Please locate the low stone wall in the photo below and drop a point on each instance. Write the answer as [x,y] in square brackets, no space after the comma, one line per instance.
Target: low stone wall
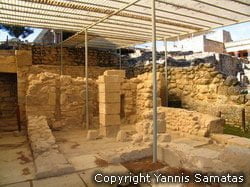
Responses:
[61,99]
[191,122]
[180,120]
[47,158]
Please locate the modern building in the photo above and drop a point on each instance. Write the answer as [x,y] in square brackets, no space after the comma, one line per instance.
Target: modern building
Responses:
[211,42]
[239,48]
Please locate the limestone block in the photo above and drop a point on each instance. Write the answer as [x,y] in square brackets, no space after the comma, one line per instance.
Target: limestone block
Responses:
[109,79]
[161,126]
[107,88]
[109,108]
[120,73]
[109,131]
[109,119]
[23,57]
[113,97]
[92,134]
[52,99]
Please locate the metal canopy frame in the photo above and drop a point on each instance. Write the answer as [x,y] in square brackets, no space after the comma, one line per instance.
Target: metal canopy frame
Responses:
[115,24]
[124,18]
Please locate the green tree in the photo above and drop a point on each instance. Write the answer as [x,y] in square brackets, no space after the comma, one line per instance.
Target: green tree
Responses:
[17,31]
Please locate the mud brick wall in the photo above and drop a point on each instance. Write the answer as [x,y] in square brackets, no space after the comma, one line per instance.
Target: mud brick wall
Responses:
[8,101]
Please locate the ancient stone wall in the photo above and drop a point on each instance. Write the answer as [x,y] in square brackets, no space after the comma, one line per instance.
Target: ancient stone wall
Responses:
[204,89]
[138,96]
[7,61]
[51,55]
[199,88]
[73,71]
[226,64]
[61,99]
[8,101]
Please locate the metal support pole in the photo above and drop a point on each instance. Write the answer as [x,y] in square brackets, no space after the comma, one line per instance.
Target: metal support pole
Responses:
[166,72]
[120,58]
[86,77]
[61,55]
[154,84]
[243,119]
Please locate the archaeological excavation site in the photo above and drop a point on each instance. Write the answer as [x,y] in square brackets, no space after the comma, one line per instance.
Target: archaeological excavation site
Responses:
[124,93]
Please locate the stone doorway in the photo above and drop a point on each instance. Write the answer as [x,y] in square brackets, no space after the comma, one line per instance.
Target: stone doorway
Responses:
[8,101]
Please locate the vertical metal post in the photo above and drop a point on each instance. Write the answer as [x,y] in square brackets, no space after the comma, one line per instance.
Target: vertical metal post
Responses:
[166,72]
[61,55]
[86,77]
[154,83]
[243,119]
[120,58]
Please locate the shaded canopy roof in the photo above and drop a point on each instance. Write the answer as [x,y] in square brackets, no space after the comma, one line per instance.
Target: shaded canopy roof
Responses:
[123,23]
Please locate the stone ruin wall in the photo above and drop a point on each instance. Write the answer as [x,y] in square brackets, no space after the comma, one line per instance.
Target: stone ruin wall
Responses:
[199,88]
[204,89]
[25,65]
[61,99]
[51,55]
[226,64]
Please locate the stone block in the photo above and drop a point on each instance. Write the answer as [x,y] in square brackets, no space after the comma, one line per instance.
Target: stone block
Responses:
[109,108]
[113,97]
[109,79]
[92,134]
[23,57]
[161,126]
[109,131]
[109,119]
[107,88]
[121,73]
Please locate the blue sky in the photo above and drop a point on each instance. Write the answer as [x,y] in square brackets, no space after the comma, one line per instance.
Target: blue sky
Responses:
[238,32]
